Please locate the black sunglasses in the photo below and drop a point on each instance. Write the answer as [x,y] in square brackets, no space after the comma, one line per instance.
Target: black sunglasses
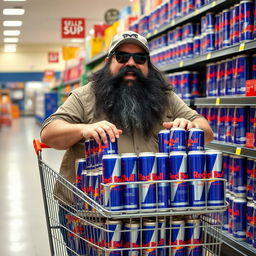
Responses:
[123,57]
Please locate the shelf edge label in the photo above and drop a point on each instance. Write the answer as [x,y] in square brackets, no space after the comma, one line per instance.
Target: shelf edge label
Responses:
[238,151]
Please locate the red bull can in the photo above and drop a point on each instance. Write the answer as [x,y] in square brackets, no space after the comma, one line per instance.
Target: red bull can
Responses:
[243,74]
[211,80]
[226,28]
[193,235]
[226,214]
[147,172]
[197,44]
[236,24]
[163,141]
[163,189]
[110,147]
[113,195]
[80,165]
[132,238]
[249,218]
[215,194]
[225,166]
[195,139]
[129,174]
[239,175]
[240,125]
[229,134]
[250,170]
[161,236]
[177,139]
[149,237]
[230,214]
[196,170]
[113,234]
[246,20]
[239,218]
[195,90]
[177,235]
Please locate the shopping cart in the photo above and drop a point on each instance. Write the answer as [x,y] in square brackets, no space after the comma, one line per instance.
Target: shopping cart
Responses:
[79,225]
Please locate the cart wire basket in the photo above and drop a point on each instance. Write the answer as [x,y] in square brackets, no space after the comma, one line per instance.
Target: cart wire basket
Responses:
[80,225]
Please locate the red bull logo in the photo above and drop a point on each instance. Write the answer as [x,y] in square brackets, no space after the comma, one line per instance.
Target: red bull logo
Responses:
[198,175]
[128,179]
[236,213]
[178,176]
[150,176]
[192,142]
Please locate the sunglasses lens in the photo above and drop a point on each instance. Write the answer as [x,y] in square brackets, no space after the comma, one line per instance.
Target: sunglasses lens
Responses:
[123,57]
[140,59]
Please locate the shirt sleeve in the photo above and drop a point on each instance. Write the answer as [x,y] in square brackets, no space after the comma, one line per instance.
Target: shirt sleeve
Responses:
[71,111]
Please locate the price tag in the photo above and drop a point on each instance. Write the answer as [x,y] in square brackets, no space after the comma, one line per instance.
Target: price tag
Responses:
[155,31]
[217,101]
[238,151]
[196,11]
[173,23]
[149,35]
[208,56]
[213,3]
[241,47]
[181,64]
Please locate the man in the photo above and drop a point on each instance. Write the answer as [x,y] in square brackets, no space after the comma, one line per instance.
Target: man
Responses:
[128,100]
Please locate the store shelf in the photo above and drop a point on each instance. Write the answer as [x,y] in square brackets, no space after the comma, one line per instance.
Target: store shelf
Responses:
[237,247]
[232,149]
[226,101]
[213,7]
[210,57]
[71,82]
[97,58]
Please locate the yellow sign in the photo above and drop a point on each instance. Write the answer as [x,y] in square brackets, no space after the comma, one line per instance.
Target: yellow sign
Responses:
[69,52]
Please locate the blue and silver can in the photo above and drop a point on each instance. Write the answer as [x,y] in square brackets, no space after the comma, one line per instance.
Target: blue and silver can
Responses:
[177,139]
[163,141]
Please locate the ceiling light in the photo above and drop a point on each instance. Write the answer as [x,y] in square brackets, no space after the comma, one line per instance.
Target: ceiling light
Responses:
[10,47]
[11,32]
[91,32]
[13,11]
[12,23]
[11,40]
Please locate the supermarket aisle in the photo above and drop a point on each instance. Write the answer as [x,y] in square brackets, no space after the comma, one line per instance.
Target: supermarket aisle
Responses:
[22,221]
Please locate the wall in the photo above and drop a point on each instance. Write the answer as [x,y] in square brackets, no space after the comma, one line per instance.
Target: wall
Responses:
[31,58]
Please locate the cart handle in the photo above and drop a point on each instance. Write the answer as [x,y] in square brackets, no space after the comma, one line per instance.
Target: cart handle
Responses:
[38,145]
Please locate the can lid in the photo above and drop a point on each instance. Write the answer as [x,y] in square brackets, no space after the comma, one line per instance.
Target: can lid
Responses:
[110,156]
[240,199]
[162,154]
[165,131]
[132,225]
[177,222]
[177,153]
[195,129]
[194,221]
[113,222]
[128,155]
[80,160]
[250,203]
[177,129]
[147,154]
[196,153]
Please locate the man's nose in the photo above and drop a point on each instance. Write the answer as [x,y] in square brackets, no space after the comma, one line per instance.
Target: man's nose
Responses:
[130,62]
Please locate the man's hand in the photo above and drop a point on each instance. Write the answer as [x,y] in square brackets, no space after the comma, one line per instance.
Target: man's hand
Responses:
[100,130]
[180,123]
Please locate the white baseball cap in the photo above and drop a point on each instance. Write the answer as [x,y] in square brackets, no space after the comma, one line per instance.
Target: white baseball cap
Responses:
[128,37]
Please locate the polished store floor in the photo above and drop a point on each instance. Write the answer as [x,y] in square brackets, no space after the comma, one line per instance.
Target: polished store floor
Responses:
[22,220]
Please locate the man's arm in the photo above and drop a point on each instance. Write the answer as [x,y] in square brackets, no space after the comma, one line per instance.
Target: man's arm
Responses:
[60,134]
[199,122]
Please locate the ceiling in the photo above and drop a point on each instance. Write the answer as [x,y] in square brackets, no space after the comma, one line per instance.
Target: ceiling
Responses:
[42,19]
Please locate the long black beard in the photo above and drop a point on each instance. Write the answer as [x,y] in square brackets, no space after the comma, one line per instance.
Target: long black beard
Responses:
[131,105]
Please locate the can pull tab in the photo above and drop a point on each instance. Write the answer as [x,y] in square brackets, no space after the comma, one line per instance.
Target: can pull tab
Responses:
[38,145]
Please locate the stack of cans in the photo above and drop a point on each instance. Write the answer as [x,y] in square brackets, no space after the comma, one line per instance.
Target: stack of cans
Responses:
[186,84]
[239,219]
[228,77]
[234,125]
[187,159]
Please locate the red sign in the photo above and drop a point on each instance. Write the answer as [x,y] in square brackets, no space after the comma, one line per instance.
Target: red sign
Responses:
[73,28]
[53,57]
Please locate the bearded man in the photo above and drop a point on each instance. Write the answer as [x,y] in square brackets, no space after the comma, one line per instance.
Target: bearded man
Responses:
[128,99]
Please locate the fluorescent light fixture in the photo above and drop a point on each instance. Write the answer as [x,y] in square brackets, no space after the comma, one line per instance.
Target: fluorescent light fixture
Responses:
[76,40]
[11,32]
[13,11]
[12,23]
[10,47]
[11,40]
